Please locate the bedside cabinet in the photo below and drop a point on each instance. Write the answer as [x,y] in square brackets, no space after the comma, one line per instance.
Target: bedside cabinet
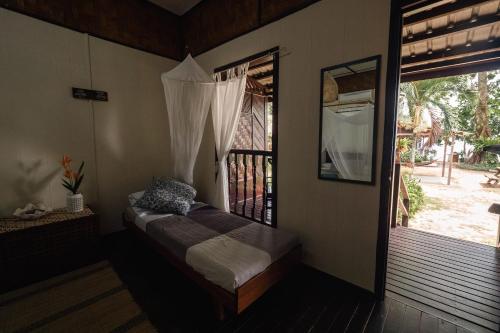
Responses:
[37,249]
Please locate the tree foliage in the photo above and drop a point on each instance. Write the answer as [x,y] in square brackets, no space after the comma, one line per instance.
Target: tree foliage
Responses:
[469,103]
[466,101]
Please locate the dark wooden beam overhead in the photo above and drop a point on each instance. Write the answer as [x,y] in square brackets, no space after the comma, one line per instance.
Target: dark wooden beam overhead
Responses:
[135,23]
[441,11]
[267,63]
[409,5]
[456,52]
[271,11]
[450,70]
[214,22]
[458,26]
[263,75]
[470,60]
[142,25]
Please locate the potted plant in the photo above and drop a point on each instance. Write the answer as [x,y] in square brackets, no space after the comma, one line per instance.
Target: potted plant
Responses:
[72,181]
[402,146]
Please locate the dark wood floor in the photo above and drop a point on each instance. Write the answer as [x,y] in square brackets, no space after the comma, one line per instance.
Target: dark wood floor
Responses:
[452,279]
[308,301]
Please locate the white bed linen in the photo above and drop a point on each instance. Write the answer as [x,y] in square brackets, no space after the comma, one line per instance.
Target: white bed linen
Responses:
[226,261]
[143,216]
[223,260]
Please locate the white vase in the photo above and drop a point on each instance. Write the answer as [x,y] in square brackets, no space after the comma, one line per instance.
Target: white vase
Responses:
[74,202]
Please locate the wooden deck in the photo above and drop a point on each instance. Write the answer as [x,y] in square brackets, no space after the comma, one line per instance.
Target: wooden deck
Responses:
[455,280]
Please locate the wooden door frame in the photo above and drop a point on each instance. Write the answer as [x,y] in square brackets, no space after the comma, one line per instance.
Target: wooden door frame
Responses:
[390,128]
[274,168]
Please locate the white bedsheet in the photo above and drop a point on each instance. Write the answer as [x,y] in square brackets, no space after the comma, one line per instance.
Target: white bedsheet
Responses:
[226,261]
[144,216]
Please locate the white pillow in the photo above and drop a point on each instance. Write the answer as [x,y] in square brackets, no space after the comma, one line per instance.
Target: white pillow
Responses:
[132,198]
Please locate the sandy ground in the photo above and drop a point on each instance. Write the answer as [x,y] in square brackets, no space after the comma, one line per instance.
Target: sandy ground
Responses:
[458,210]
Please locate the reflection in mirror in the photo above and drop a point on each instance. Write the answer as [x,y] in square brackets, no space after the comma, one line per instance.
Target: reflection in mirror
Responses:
[348,115]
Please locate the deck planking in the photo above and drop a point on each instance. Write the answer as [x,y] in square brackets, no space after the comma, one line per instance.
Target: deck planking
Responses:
[451,279]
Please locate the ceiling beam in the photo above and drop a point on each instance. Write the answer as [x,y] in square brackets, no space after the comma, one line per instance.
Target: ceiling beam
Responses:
[441,11]
[459,26]
[265,63]
[263,75]
[474,59]
[412,5]
[451,71]
[456,52]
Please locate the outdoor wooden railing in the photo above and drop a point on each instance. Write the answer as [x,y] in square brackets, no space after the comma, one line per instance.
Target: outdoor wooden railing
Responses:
[400,198]
[250,179]
[404,203]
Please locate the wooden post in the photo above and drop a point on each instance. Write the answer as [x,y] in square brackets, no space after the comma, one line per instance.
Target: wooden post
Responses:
[450,160]
[404,204]
[395,194]
[444,156]
[464,148]
[498,233]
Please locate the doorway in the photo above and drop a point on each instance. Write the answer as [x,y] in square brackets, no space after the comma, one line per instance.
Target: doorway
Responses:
[455,280]
[252,161]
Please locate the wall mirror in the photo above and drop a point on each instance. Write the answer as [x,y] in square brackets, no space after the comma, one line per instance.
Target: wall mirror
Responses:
[348,121]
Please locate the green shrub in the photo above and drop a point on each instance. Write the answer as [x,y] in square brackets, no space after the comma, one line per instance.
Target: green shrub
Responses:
[480,143]
[415,193]
[405,157]
[483,166]
[485,157]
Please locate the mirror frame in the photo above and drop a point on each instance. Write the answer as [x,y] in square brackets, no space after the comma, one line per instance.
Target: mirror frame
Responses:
[377,59]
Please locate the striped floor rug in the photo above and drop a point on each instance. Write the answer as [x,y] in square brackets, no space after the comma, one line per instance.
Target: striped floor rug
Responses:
[92,299]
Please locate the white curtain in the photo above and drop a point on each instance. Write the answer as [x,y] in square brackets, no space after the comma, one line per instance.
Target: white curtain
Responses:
[188,92]
[226,109]
[347,137]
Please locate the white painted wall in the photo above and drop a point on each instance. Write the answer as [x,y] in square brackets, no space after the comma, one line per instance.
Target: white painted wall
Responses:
[132,133]
[337,222]
[40,121]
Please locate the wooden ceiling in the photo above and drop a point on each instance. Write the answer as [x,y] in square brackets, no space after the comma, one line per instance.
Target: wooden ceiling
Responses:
[178,7]
[450,37]
[260,74]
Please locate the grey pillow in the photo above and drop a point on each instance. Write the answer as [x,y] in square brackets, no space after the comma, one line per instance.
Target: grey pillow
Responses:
[178,188]
[167,197]
[176,205]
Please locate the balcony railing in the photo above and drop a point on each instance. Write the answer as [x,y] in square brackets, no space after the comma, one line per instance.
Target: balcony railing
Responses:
[250,184]
[400,198]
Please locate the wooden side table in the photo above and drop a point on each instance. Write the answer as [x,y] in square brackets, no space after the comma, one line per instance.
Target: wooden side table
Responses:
[53,244]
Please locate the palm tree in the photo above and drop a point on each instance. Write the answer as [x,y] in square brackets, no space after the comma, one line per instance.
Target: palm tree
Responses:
[428,94]
[481,117]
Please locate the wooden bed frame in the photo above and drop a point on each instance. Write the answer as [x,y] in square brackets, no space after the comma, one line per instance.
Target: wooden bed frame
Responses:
[244,295]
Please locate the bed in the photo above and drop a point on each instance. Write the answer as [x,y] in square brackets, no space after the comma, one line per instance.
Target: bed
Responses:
[234,259]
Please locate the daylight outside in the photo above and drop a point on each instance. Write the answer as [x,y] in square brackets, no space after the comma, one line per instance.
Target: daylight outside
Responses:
[447,128]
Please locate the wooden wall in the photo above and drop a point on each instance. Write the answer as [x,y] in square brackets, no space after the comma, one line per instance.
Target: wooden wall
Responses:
[214,22]
[135,23]
[145,26]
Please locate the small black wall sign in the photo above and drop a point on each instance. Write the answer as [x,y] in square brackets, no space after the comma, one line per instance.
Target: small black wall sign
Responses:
[94,95]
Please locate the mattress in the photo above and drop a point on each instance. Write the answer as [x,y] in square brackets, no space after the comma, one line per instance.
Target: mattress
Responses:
[226,249]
